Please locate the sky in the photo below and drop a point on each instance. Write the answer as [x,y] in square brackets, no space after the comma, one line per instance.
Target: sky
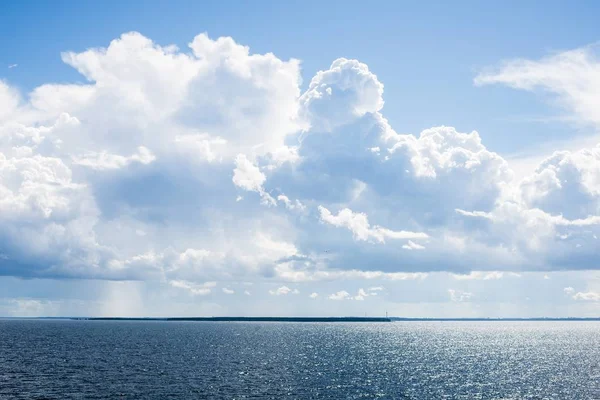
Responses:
[268,158]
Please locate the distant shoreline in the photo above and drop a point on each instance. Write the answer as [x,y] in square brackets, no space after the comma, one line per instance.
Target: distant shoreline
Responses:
[309,319]
[247,319]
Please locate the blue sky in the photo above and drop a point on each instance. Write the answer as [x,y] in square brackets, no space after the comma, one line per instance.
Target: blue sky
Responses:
[163,180]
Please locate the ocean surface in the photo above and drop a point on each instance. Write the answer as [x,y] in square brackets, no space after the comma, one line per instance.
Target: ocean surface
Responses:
[51,359]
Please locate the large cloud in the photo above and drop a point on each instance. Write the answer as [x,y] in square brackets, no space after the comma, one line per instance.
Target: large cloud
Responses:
[190,168]
[113,176]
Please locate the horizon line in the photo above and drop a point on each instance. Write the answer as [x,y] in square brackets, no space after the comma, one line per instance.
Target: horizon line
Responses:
[300,319]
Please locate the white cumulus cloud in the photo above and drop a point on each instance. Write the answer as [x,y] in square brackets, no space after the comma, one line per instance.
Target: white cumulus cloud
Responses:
[341,295]
[283,290]
[587,296]
[195,289]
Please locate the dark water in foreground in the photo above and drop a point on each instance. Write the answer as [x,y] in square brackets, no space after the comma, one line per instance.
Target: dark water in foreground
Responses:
[230,360]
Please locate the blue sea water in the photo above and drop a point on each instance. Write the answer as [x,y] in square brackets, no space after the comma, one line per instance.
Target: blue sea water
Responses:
[51,359]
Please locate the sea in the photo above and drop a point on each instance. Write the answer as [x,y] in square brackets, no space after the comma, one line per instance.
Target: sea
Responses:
[64,359]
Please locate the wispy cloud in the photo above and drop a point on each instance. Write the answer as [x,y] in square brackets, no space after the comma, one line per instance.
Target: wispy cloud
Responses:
[572,77]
